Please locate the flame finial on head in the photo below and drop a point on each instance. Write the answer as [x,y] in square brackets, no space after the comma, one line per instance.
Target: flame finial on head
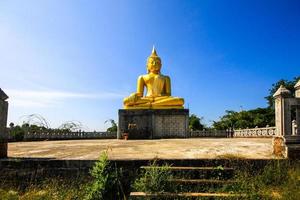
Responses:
[153,53]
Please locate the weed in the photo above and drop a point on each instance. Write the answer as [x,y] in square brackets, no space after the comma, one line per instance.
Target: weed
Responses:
[106,184]
[154,178]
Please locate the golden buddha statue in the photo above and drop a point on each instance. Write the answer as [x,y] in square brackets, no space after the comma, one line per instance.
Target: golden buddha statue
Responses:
[158,87]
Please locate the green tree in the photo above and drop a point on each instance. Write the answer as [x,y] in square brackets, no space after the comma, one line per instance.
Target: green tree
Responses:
[195,122]
[11,125]
[17,132]
[113,127]
[288,84]
[70,126]
[259,117]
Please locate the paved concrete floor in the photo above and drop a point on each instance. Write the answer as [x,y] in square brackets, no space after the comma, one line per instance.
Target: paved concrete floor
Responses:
[193,148]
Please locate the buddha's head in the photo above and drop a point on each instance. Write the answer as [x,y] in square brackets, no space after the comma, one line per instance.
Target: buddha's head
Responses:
[153,63]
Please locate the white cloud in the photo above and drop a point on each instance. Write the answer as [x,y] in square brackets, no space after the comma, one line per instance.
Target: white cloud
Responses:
[31,98]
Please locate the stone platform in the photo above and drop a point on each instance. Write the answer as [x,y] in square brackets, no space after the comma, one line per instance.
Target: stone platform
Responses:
[193,148]
[29,161]
[153,123]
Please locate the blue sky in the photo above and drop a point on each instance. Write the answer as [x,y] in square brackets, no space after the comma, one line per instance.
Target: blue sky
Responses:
[76,60]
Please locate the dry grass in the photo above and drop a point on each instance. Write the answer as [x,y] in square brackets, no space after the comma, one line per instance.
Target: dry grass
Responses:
[52,189]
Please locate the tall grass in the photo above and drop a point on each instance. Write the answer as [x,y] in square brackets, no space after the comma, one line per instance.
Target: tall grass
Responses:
[277,180]
[105,185]
[50,189]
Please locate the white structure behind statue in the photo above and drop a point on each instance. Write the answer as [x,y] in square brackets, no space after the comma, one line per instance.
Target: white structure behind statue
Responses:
[287,120]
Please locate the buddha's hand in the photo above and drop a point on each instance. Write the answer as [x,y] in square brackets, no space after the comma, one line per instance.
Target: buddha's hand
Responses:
[133,97]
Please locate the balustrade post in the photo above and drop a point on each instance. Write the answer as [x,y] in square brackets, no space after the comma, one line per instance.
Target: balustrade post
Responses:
[3,123]
[294,127]
[297,95]
[282,111]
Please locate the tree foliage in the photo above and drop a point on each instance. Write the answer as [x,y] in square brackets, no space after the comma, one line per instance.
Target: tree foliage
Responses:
[113,128]
[288,84]
[260,117]
[195,122]
[71,125]
[35,123]
[36,119]
[17,132]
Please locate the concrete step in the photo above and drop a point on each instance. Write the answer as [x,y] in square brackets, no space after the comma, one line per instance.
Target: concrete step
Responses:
[197,172]
[189,168]
[202,181]
[202,185]
[190,195]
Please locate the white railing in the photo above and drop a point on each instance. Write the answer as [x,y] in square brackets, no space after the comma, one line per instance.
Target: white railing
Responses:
[68,135]
[210,133]
[251,132]
[255,132]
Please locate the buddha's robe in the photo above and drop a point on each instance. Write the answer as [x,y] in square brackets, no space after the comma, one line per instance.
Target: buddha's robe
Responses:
[158,95]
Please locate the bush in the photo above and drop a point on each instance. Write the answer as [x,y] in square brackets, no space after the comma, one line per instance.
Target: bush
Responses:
[106,184]
[17,132]
[154,179]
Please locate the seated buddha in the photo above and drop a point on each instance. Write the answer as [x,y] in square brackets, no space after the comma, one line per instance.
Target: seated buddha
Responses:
[158,86]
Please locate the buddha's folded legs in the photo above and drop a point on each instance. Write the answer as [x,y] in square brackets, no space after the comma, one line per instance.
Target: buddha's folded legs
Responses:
[168,101]
[138,101]
[152,102]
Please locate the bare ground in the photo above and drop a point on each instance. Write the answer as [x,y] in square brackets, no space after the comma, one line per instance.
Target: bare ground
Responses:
[192,148]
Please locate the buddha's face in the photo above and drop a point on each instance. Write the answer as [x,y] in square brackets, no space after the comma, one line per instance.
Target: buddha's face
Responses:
[154,65]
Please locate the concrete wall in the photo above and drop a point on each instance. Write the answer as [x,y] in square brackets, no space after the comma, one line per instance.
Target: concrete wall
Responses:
[168,126]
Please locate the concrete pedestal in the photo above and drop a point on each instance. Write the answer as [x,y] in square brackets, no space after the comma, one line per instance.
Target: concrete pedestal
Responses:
[287,146]
[292,143]
[3,149]
[153,123]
